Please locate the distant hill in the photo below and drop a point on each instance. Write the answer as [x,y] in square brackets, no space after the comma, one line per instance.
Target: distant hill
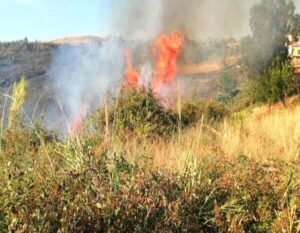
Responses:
[77,40]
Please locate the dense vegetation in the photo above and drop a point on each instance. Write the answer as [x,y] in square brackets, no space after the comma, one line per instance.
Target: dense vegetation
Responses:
[219,174]
[265,53]
[219,165]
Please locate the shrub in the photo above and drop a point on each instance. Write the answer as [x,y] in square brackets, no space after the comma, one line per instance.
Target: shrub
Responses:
[192,112]
[275,84]
[141,113]
[137,112]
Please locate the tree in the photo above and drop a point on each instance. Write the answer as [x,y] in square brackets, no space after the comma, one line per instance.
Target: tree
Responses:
[275,84]
[271,21]
[295,32]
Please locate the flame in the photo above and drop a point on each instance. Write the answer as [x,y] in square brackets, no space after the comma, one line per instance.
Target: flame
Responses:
[166,49]
[78,121]
[131,75]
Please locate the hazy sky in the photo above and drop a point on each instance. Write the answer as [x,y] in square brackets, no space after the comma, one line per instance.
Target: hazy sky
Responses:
[50,19]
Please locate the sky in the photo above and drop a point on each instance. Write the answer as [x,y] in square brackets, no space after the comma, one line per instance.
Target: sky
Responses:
[51,19]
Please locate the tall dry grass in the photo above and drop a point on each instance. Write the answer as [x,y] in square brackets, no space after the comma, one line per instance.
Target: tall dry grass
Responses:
[262,134]
[237,175]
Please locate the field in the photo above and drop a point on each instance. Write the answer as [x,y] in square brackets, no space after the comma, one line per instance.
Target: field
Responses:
[222,172]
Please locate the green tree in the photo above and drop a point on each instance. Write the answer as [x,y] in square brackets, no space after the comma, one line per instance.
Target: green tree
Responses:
[275,84]
[271,21]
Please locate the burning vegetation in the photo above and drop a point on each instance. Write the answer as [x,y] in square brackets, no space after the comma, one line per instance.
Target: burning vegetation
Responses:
[131,79]
[166,50]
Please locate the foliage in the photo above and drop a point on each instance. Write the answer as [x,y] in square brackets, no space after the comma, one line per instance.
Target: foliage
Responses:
[245,97]
[141,113]
[224,197]
[271,21]
[120,188]
[138,113]
[192,112]
[275,84]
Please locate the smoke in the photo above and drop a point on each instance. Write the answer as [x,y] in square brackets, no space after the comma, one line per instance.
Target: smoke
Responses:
[83,74]
[197,19]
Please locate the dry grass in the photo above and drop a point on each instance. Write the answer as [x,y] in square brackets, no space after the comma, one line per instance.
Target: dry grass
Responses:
[266,133]
[237,175]
[208,66]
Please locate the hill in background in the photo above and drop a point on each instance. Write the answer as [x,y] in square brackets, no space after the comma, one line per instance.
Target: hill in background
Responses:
[200,64]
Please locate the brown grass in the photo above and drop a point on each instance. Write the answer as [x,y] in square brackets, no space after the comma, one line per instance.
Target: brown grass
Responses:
[263,134]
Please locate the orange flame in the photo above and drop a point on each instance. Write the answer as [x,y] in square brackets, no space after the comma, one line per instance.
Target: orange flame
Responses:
[131,76]
[166,49]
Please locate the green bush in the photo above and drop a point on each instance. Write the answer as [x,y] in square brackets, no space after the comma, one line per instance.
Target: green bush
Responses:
[192,112]
[138,113]
[275,84]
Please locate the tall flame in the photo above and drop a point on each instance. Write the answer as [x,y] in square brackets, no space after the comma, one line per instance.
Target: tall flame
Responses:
[166,49]
[131,75]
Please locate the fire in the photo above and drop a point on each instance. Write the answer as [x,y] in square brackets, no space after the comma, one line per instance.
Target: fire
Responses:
[78,121]
[131,76]
[166,49]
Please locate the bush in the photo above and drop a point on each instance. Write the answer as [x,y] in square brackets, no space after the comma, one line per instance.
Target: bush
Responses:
[192,112]
[275,84]
[137,112]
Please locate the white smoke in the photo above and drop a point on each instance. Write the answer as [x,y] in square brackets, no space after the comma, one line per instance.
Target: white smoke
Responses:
[83,74]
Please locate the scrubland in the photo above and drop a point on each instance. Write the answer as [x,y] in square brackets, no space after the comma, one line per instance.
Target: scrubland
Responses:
[137,167]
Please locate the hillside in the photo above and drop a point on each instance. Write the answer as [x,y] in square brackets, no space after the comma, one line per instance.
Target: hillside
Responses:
[33,59]
[77,40]
[22,58]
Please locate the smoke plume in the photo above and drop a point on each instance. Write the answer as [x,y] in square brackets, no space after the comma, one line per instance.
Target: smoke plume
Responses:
[197,19]
[83,74]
